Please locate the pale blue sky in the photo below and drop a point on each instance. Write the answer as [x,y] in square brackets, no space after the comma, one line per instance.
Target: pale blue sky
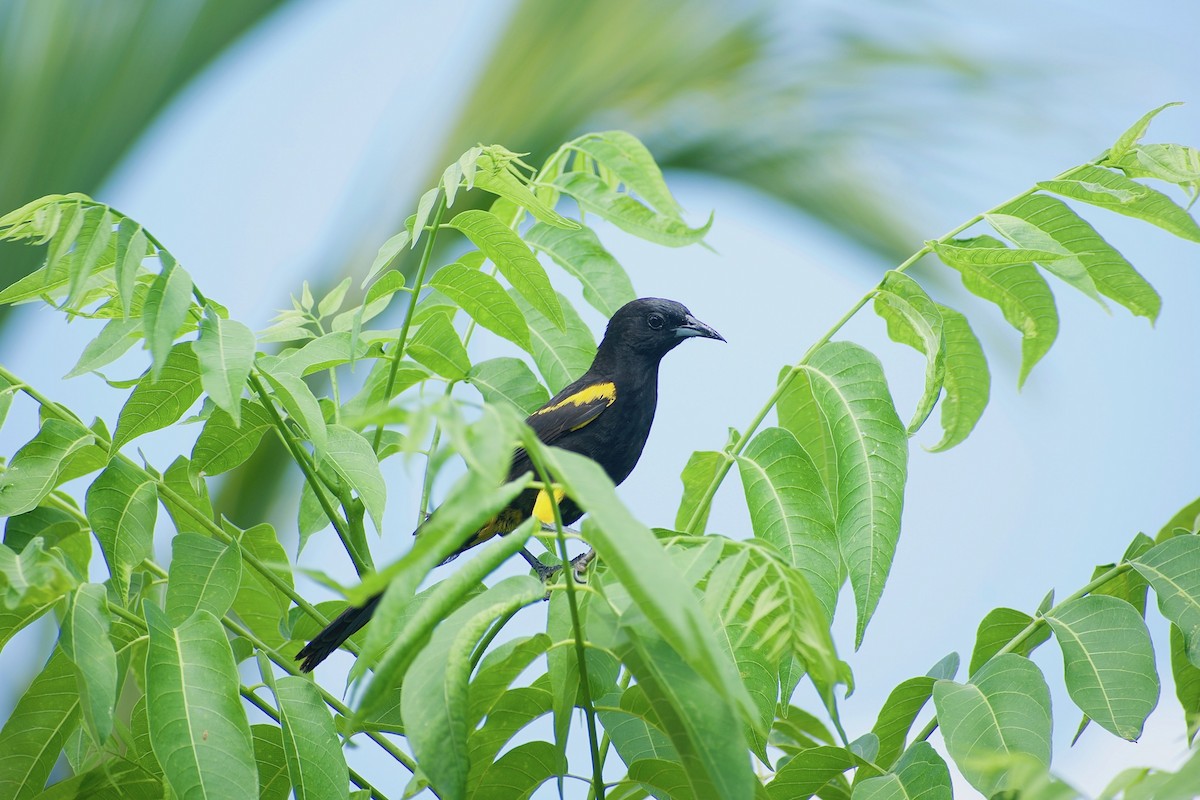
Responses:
[248,179]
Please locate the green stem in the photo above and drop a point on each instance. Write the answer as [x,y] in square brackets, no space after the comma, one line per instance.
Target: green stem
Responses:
[362,562]
[402,339]
[589,710]
[1037,622]
[737,446]
[606,741]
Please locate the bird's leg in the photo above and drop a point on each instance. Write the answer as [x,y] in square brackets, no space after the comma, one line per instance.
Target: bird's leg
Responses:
[579,563]
[545,573]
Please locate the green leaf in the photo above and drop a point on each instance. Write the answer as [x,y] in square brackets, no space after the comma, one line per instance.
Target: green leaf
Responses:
[110,779]
[205,574]
[94,237]
[1109,661]
[705,735]
[921,773]
[223,445]
[115,338]
[633,728]
[1088,263]
[634,557]
[1115,192]
[515,709]
[387,254]
[633,165]
[699,472]
[85,641]
[1174,163]
[33,577]
[273,780]
[596,197]
[259,602]
[484,299]
[301,405]
[435,689]
[160,399]
[225,351]
[606,285]
[519,772]
[310,742]
[132,248]
[190,507]
[1129,585]
[405,646]
[1186,677]
[165,310]
[351,457]
[332,301]
[513,258]
[35,732]
[808,771]
[1136,131]
[967,382]
[122,505]
[498,670]
[198,725]
[1017,288]
[561,354]
[508,381]
[896,717]
[790,509]
[324,352]
[914,319]
[494,173]
[34,470]
[562,660]
[1004,710]
[870,459]
[437,346]
[63,239]
[998,628]
[1173,569]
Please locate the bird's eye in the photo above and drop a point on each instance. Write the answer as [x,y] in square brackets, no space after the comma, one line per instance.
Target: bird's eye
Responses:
[655,321]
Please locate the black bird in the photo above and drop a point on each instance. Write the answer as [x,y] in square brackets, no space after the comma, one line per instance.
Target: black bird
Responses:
[605,415]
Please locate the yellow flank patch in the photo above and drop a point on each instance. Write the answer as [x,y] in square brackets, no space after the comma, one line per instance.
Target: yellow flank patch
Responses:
[542,508]
[606,390]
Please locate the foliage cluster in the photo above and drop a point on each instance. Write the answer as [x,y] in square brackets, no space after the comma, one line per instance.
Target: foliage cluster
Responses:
[683,648]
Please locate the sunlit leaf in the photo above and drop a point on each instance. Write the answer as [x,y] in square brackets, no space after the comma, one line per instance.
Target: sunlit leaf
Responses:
[301,405]
[225,351]
[508,380]
[36,730]
[1115,192]
[166,309]
[790,509]
[115,338]
[260,603]
[1173,569]
[967,382]
[594,196]
[35,468]
[122,505]
[159,400]
[1004,710]
[920,773]
[633,165]
[897,716]
[914,319]
[606,285]
[494,174]
[998,628]
[198,725]
[513,258]
[85,641]
[314,755]
[223,445]
[205,574]
[808,771]
[871,458]
[561,354]
[698,474]
[484,299]
[351,457]
[1088,263]
[1017,288]
[437,346]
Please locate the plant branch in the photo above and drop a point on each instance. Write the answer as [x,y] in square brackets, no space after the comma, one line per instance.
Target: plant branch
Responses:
[362,561]
[402,338]
[1037,622]
[734,448]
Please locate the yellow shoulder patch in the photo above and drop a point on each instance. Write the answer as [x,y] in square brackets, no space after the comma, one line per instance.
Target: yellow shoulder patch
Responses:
[542,508]
[606,390]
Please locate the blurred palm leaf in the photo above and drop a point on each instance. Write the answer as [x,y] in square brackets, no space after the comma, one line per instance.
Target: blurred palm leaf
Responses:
[80,82]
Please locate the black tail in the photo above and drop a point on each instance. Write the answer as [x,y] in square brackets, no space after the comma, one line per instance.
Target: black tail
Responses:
[348,623]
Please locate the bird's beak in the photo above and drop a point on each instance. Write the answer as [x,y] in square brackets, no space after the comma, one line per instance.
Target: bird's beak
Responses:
[694,327]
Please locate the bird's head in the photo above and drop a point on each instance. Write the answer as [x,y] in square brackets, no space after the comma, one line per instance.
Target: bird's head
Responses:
[652,327]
